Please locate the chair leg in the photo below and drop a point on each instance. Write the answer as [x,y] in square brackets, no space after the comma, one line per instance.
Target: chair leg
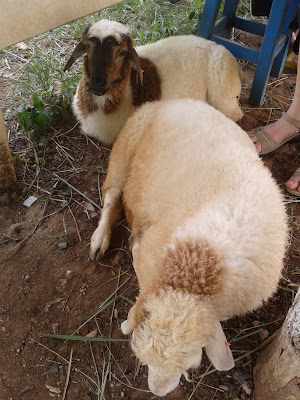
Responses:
[209,16]
[279,61]
[266,56]
[229,12]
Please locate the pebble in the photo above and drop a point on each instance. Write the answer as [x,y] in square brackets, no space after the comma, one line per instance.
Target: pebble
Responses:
[264,334]
[56,157]
[224,387]
[62,245]
[246,388]
[27,388]
[53,369]
[240,376]
[4,199]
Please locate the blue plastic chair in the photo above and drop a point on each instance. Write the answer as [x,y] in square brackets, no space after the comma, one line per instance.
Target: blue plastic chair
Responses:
[276,34]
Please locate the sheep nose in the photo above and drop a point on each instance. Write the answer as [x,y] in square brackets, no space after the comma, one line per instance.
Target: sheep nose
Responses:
[99,87]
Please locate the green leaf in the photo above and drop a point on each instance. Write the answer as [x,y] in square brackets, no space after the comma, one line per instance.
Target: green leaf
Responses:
[37,103]
[192,15]
[42,120]
[24,119]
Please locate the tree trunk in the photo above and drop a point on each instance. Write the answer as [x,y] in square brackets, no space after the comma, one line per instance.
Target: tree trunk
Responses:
[7,172]
[277,371]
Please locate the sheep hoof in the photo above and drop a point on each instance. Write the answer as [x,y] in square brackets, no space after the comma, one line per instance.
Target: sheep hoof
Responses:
[99,244]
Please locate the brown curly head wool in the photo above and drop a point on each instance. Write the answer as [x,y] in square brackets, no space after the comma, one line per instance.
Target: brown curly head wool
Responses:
[191,267]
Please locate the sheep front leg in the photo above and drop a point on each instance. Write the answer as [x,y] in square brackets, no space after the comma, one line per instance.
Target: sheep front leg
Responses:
[110,215]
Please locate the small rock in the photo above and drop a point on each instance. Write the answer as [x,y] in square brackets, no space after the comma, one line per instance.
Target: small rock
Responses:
[56,157]
[4,199]
[62,245]
[14,195]
[15,229]
[63,282]
[240,376]
[224,387]
[247,388]
[264,334]
[53,369]
[88,206]
[27,388]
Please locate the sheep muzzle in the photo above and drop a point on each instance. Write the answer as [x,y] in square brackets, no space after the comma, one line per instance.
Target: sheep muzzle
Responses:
[161,382]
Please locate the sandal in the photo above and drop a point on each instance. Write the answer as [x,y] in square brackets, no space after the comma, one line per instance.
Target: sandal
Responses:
[293,191]
[268,144]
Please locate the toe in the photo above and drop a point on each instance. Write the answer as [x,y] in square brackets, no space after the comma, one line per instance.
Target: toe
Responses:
[255,142]
[293,183]
[252,137]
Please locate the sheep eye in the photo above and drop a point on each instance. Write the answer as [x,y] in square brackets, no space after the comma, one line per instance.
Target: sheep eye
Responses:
[93,39]
[121,53]
[111,40]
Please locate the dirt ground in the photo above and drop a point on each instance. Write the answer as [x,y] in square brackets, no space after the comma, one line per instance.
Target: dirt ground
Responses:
[49,285]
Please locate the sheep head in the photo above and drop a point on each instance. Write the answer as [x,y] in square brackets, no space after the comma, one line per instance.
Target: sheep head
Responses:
[109,51]
[170,336]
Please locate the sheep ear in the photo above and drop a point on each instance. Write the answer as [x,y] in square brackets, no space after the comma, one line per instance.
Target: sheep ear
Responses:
[79,50]
[129,325]
[218,350]
[136,62]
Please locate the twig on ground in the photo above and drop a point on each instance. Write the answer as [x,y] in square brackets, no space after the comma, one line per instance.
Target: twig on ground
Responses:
[75,224]
[66,361]
[107,302]
[78,191]
[96,368]
[68,375]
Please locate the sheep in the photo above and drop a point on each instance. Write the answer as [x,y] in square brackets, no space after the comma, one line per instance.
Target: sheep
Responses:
[117,78]
[208,237]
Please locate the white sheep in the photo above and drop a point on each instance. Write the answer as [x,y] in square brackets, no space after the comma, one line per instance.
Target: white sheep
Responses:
[117,79]
[208,230]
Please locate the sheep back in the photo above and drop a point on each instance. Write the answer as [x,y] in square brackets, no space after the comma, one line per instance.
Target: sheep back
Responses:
[205,182]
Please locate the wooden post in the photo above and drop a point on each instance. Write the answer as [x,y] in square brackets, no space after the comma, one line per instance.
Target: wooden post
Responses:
[277,372]
[7,172]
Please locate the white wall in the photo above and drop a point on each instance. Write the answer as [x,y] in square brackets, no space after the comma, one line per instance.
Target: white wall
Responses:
[23,19]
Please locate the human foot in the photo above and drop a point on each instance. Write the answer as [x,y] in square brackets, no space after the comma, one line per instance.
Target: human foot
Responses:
[272,136]
[293,184]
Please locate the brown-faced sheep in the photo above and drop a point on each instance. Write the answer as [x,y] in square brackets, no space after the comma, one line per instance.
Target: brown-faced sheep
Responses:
[208,230]
[117,78]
